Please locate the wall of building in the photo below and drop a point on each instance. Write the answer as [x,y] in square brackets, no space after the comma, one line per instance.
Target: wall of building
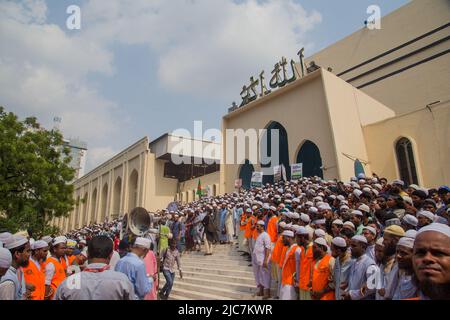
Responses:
[419,30]
[429,133]
[188,188]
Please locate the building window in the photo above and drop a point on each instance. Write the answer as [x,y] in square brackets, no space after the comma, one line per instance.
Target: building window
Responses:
[406,162]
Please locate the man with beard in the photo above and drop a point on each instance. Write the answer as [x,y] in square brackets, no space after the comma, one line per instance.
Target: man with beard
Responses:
[362,269]
[343,262]
[34,272]
[260,262]
[402,283]
[385,264]
[287,291]
[431,261]
[424,218]
[370,233]
[392,235]
[12,284]
[321,280]
[418,198]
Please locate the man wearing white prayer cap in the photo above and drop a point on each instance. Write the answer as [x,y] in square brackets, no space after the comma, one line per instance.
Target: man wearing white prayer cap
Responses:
[133,267]
[288,268]
[357,219]
[12,284]
[261,260]
[431,261]
[411,234]
[361,270]
[5,261]
[409,222]
[336,227]
[370,234]
[322,271]
[425,218]
[402,285]
[6,237]
[34,272]
[343,261]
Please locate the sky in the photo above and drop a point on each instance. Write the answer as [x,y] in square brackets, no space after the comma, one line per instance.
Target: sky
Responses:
[141,68]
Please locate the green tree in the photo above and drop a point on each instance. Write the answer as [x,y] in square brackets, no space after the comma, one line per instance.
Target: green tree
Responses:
[34,176]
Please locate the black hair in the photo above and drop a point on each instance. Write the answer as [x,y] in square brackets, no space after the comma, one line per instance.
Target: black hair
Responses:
[347,232]
[123,245]
[18,249]
[100,247]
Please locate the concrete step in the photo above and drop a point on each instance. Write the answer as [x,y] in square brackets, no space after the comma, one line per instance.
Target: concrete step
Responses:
[242,265]
[213,262]
[216,283]
[241,272]
[198,291]
[182,294]
[225,278]
[231,254]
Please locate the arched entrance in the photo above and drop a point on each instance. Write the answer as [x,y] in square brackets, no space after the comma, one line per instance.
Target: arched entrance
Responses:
[309,155]
[116,198]
[245,173]
[268,151]
[406,161]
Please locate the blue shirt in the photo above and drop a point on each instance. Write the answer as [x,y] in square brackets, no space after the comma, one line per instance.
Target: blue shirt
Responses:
[134,268]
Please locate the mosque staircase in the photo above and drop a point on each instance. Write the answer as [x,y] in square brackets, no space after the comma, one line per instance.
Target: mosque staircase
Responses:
[225,275]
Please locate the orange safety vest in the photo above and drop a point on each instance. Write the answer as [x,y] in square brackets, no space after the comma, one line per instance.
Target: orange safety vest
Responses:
[35,277]
[306,259]
[243,225]
[288,266]
[248,227]
[321,275]
[282,255]
[60,273]
[71,258]
[276,252]
[272,229]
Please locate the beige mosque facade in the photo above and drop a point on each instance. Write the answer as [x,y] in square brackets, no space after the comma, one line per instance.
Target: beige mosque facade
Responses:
[377,101]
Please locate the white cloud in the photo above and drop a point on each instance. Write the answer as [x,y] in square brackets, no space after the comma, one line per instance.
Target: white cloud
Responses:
[203,47]
[97,156]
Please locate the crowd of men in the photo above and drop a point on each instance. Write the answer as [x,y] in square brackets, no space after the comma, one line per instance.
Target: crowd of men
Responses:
[308,239]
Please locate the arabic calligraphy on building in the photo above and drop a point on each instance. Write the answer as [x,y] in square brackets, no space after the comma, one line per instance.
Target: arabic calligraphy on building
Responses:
[281,76]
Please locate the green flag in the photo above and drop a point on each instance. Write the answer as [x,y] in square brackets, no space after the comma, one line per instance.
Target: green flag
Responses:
[199,189]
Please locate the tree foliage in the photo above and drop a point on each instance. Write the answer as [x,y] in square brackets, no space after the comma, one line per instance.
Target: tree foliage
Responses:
[34,175]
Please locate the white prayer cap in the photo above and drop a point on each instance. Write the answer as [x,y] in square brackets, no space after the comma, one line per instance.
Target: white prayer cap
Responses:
[344,202]
[325,206]
[32,241]
[414,186]
[360,239]
[273,208]
[305,218]
[319,221]
[295,215]
[411,234]
[321,241]
[83,242]
[5,258]
[410,219]
[371,229]
[266,206]
[318,198]
[39,245]
[313,210]
[17,242]
[406,242]
[378,186]
[380,242]
[338,222]
[295,228]
[6,237]
[427,214]
[319,233]
[59,240]
[296,200]
[398,182]
[367,189]
[309,203]
[340,197]
[357,192]
[287,201]
[436,227]
[282,224]
[143,242]
[376,192]
[357,213]
[349,224]
[408,200]
[301,230]
[339,242]
[344,207]
[261,223]
[361,176]
[288,233]
[364,208]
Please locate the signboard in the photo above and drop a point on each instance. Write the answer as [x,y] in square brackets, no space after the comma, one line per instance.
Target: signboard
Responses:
[283,172]
[277,174]
[296,171]
[257,178]
[238,183]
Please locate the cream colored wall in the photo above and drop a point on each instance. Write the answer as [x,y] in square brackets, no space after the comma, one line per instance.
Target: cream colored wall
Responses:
[301,109]
[430,135]
[411,89]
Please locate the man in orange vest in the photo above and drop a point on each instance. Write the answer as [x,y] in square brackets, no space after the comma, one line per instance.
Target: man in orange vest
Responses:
[303,263]
[54,270]
[242,227]
[287,291]
[35,271]
[321,272]
[276,257]
[69,258]
[249,231]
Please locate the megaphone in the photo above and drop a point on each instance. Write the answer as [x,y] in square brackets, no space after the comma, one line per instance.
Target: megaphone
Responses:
[139,221]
